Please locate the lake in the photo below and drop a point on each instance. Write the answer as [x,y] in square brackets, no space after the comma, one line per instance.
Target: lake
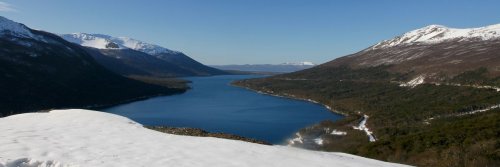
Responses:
[215,106]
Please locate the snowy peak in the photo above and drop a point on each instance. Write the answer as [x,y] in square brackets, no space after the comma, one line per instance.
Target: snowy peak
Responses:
[438,33]
[304,63]
[142,46]
[11,27]
[100,41]
[92,40]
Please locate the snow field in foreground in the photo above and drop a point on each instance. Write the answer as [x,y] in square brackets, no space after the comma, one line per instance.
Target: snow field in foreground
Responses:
[88,138]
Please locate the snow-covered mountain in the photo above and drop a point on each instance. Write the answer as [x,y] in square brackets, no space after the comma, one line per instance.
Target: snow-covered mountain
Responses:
[13,28]
[433,53]
[14,31]
[437,33]
[129,56]
[101,41]
[88,138]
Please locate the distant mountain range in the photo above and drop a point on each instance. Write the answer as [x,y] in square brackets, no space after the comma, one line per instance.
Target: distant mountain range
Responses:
[275,68]
[429,97]
[128,56]
[40,70]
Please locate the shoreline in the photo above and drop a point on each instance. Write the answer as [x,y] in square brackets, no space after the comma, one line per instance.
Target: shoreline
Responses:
[288,96]
[361,126]
[197,132]
[101,106]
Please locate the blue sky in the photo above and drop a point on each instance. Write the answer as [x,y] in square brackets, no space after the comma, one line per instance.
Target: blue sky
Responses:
[252,31]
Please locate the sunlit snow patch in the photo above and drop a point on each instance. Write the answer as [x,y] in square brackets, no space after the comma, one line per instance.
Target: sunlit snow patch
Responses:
[339,133]
[318,141]
[414,82]
[362,127]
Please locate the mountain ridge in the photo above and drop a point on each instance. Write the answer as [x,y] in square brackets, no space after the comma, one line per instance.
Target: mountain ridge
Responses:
[439,33]
[101,41]
[14,28]
[436,60]
[162,62]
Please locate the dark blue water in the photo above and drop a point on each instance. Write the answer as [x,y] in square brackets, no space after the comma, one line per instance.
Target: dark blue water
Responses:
[214,105]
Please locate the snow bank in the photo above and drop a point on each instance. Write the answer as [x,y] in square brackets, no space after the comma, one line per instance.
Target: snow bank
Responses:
[414,82]
[89,138]
[427,121]
[480,111]
[297,139]
[362,127]
[318,141]
[338,133]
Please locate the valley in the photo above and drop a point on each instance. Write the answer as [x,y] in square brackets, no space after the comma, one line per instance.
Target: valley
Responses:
[249,83]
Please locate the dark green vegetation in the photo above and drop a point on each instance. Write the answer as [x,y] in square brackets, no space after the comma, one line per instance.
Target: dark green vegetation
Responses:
[476,77]
[202,133]
[417,126]
[472,140]
[38,74]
